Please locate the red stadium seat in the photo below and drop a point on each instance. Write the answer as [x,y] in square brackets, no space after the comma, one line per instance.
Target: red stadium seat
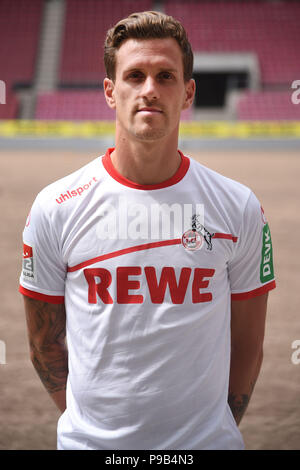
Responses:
[85,28]
[268,105]
[73,105]
[20,23]
[9,109]
[269,29]
[79,105]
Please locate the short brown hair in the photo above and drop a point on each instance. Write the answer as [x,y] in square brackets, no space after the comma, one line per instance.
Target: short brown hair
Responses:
[147,25]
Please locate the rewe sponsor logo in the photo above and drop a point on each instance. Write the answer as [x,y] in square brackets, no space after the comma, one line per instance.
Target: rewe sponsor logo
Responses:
[75,192]
[155,221]
[129,278]
[266,266]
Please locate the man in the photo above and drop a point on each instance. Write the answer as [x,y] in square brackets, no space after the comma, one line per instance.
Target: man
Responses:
[155,268]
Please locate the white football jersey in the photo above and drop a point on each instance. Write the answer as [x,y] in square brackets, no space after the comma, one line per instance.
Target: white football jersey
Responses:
[147,275]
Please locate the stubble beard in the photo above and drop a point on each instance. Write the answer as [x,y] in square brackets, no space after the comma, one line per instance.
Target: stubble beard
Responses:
[148,131]
[150,134]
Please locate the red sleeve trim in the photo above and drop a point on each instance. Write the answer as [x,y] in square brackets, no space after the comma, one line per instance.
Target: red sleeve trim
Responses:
[51,299]
[254,293]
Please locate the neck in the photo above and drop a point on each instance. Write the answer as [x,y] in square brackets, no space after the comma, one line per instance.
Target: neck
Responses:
[146,162]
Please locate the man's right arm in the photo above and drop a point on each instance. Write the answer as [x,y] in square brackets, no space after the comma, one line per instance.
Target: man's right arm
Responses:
[46,325]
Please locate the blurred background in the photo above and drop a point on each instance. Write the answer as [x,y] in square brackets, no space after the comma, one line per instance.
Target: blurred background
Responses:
[246,62]
[244,123]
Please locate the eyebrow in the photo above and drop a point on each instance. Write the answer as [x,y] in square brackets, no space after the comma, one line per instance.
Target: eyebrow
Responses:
[140,68]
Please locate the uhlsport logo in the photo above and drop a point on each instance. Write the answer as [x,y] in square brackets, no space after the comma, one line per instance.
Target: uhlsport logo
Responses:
[70,194]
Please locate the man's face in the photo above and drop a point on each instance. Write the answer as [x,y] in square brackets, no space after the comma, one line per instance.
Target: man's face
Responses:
[149,91]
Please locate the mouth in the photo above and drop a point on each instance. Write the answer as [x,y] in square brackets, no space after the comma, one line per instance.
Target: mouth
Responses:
[149,110]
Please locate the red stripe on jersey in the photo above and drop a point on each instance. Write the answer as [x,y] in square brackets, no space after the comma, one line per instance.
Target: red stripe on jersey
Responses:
[226,236]
[51,299]
[254,293]
[180,173]
[131,249]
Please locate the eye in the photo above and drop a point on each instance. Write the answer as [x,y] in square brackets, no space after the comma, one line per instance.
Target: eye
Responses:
[135,75]
[166,75]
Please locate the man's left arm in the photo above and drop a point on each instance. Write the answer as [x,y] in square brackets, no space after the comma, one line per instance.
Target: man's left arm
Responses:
[247,336]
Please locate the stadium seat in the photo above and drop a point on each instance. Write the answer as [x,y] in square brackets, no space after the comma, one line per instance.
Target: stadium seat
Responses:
[79,105]
[9,109]
[20,23]
[73,105]
[85,27]
[269,29]
[268,105]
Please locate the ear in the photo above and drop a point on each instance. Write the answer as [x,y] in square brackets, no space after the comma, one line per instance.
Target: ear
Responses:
[108,87]
[190,89]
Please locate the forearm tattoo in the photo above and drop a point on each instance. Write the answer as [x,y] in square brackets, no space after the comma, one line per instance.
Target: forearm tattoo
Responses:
[238,405]
[46,327]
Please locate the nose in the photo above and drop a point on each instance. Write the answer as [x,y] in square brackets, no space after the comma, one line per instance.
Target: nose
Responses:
[150,89]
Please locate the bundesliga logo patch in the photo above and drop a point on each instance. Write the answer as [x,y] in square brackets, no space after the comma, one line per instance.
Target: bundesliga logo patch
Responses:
[28,262]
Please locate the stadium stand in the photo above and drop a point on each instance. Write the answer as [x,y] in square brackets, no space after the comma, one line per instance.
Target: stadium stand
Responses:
[10,109]
[78,105]
[267,105]
[85,27]
[20,24]
[269,29]
[73,105]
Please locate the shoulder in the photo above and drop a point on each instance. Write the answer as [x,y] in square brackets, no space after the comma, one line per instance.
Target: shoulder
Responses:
[69,188]
[210,176]
[219,188]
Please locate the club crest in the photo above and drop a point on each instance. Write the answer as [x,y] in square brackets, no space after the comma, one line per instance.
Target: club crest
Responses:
[194,238]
